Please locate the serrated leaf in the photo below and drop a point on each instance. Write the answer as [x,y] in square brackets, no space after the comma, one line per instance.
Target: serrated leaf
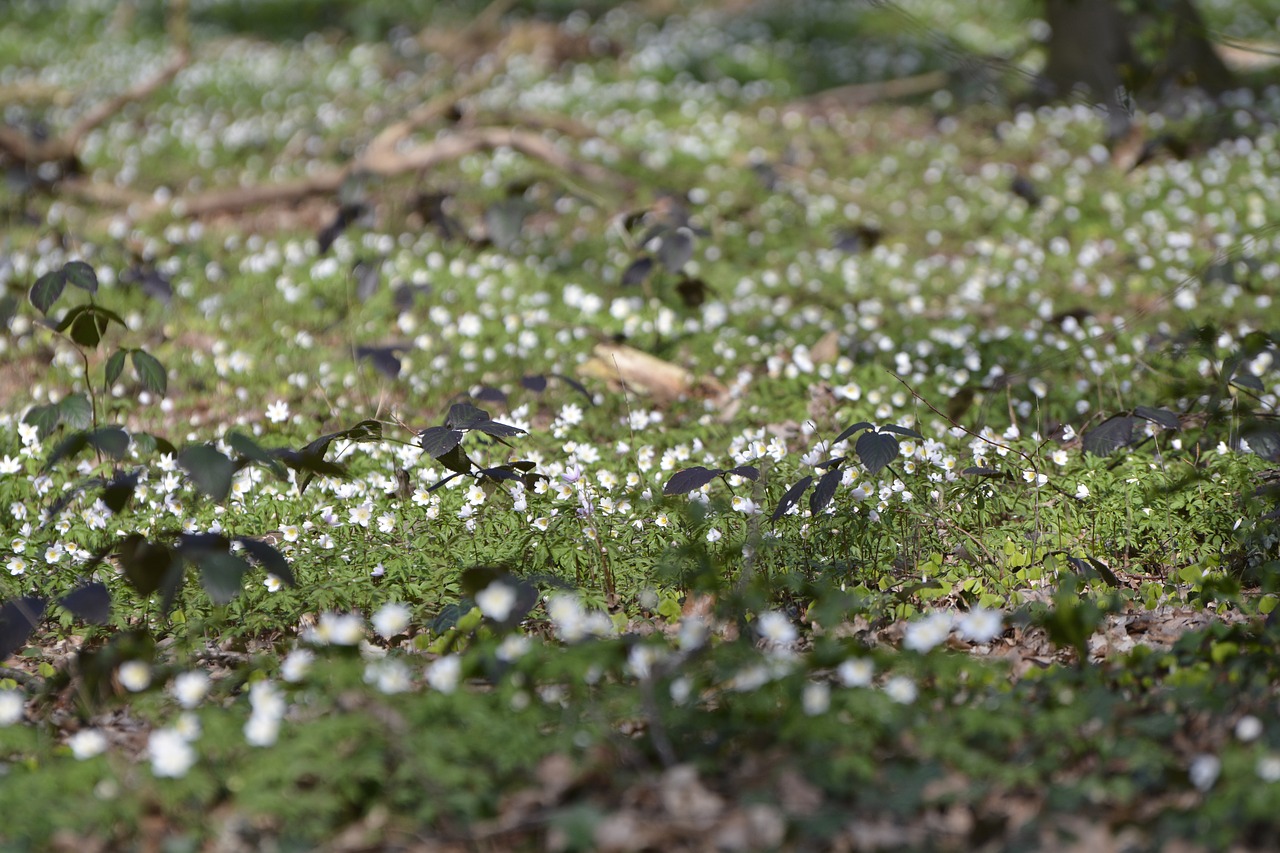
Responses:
[76,411]
[111,440]
[456,460]
[993,473]
[1110,435]
[18,618]
[86,324]
[792,497]
[825,490]
[438,440]
[689,480]
[91,602]
[859,426]
[498,430]
[117,493]
[150,371]
[266,556]
[209,469]
[447,618]
[44,418]
[489,394]
[901,430]
[114,367]
[637,271]
[45,292]
[251,450]
[465,416]
[748,472]
[876,450]
[577,386]
[1160,417]
[145,563]
[676,249]
[81,275]
[221,574]
[68,447]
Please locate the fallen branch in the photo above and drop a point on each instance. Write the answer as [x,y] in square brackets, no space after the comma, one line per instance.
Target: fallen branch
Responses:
[864,94]
[65,149]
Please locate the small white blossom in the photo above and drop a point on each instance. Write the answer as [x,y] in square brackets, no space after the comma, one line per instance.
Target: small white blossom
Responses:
[901,690]
[278,412]
[776,628]
[444,674]
[134,675]
[391,619]
[981,625]
[87,743]
[856,672]
[190,688]
[1203,771]
[295,665]
[12,707]
[816,698]
[1248,728]
[496,600]
[171,754]
[923,634]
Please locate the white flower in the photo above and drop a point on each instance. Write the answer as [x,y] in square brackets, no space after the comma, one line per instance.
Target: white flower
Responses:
[87,743]
[278,412]
[693,633]
[10,465]
[262,729]
[295,665]
[1204,770]
[272,583]
[901,690]
[17,565]
[981,625]
[444,674]
[190,688]
[12,707]
[816,698]
[1082,491]
[1248,728]
[171,755]
[567,615]
[512,647]
[776,628]
[713,535]
[923,634]
[134,675]
[496,600]
[339,629]
[390,676]
[1268,768]
[188,725]
[856,672]
[392,618]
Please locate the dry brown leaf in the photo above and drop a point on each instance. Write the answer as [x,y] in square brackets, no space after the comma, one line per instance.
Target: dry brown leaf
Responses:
[625,367]
[827,349]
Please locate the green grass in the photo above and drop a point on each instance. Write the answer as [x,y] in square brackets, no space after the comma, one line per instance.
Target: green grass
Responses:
[624,656]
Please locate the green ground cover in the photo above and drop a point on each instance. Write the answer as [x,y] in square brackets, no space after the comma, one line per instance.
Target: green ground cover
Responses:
[943,514]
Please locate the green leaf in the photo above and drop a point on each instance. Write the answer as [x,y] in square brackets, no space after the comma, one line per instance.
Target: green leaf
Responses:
[81,275]
[46,290]
[44,418]
[76,411]
[145,564]
[251,450]
[221,574]
[208,469]
[151,372]
[115,366]
[86,324]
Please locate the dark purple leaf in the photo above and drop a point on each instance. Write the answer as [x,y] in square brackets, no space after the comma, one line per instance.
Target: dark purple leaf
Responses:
[91,602]
[81,275]
[876,450]
[690,479]
[749,472]
[1110,435]
[209,470]
[575,385]
[676,249]
[825,490]
[18,618]
[901,430]
[860,425]
[465,416]
[1160,417]
[637,271]
[536,384]
[150,371]
[266,556]
[438,440]
[792,497]
[498,430]
[489,394]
